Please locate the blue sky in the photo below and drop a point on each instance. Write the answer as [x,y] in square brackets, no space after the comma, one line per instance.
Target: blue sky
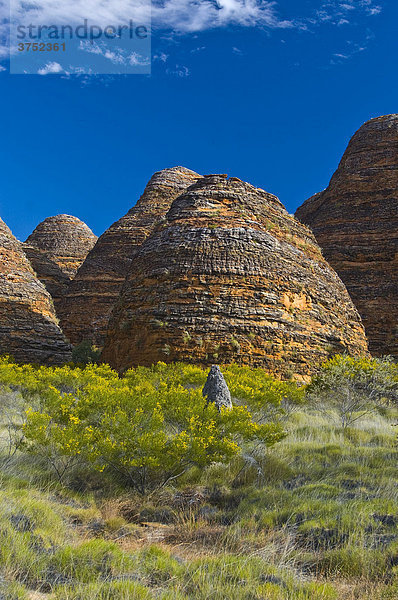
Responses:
[270,93]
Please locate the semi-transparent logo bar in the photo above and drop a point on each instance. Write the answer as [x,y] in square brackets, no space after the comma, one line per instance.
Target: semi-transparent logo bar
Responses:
[45,39]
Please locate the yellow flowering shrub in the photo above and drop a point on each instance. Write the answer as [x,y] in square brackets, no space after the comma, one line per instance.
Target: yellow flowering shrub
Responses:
[150,426]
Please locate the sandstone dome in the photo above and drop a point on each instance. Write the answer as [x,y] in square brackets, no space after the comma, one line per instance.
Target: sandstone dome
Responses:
[29,329]
[66,240]
[96,287]
[355,221]
[230,276]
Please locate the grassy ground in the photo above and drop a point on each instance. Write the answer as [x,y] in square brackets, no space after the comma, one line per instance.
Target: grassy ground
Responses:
[315,518]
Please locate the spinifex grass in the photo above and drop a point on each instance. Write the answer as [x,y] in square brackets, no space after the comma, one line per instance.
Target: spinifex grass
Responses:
[314,518]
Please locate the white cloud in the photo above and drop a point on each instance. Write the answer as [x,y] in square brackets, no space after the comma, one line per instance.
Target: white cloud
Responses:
[137,60]
[339,13]
[191,15]
[51,68]
[346,6]
[376,10]
[181,16]
[179,71]
[117,56]
[2,68]
[352,49]
[162,57]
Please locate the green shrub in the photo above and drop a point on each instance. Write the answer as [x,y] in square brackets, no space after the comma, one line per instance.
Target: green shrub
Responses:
[355,387]
[85,353]
[146,427]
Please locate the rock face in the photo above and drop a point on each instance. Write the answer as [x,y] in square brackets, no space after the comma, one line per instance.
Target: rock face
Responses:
[56,249]
[96,287]
[216,390]
[355,221]
[230,276]
[28,325]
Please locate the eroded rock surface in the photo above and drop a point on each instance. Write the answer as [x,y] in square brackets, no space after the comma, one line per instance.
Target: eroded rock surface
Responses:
[56,249]
[96,287]
[355,221]
[230,276]
[29,329]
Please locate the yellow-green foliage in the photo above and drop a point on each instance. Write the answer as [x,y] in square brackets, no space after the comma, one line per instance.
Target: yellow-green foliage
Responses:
[149,426]
[313,518]
[355,386]
[259,390]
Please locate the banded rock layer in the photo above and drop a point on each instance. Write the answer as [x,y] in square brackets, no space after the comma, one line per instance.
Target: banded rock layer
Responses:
[28,326]
[232,277]
[56,249]
[355,221]
[96,287]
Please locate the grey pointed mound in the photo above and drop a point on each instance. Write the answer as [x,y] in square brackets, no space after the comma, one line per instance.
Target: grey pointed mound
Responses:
[216,389]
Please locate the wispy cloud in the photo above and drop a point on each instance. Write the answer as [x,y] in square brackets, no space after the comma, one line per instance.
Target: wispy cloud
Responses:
[161,56]
[184,15]
[179,71]
[187,16]
[350,51]
[340,13]
[179,15]
[117,56]
[51,68]
[191,15]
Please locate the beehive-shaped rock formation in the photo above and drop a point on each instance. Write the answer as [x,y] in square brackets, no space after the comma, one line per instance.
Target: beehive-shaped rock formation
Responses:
[28,326]
[355,221]
[96,287]
[56,249]
[232,277]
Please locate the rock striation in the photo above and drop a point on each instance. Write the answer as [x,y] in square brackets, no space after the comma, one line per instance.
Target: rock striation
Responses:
[29,329]
[230,276]
[96,287]
[56,249]
[355,221]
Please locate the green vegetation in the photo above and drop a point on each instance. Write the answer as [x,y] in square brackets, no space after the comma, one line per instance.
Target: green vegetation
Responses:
[147,427]
[85,353]
[312,517]
[354,387]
